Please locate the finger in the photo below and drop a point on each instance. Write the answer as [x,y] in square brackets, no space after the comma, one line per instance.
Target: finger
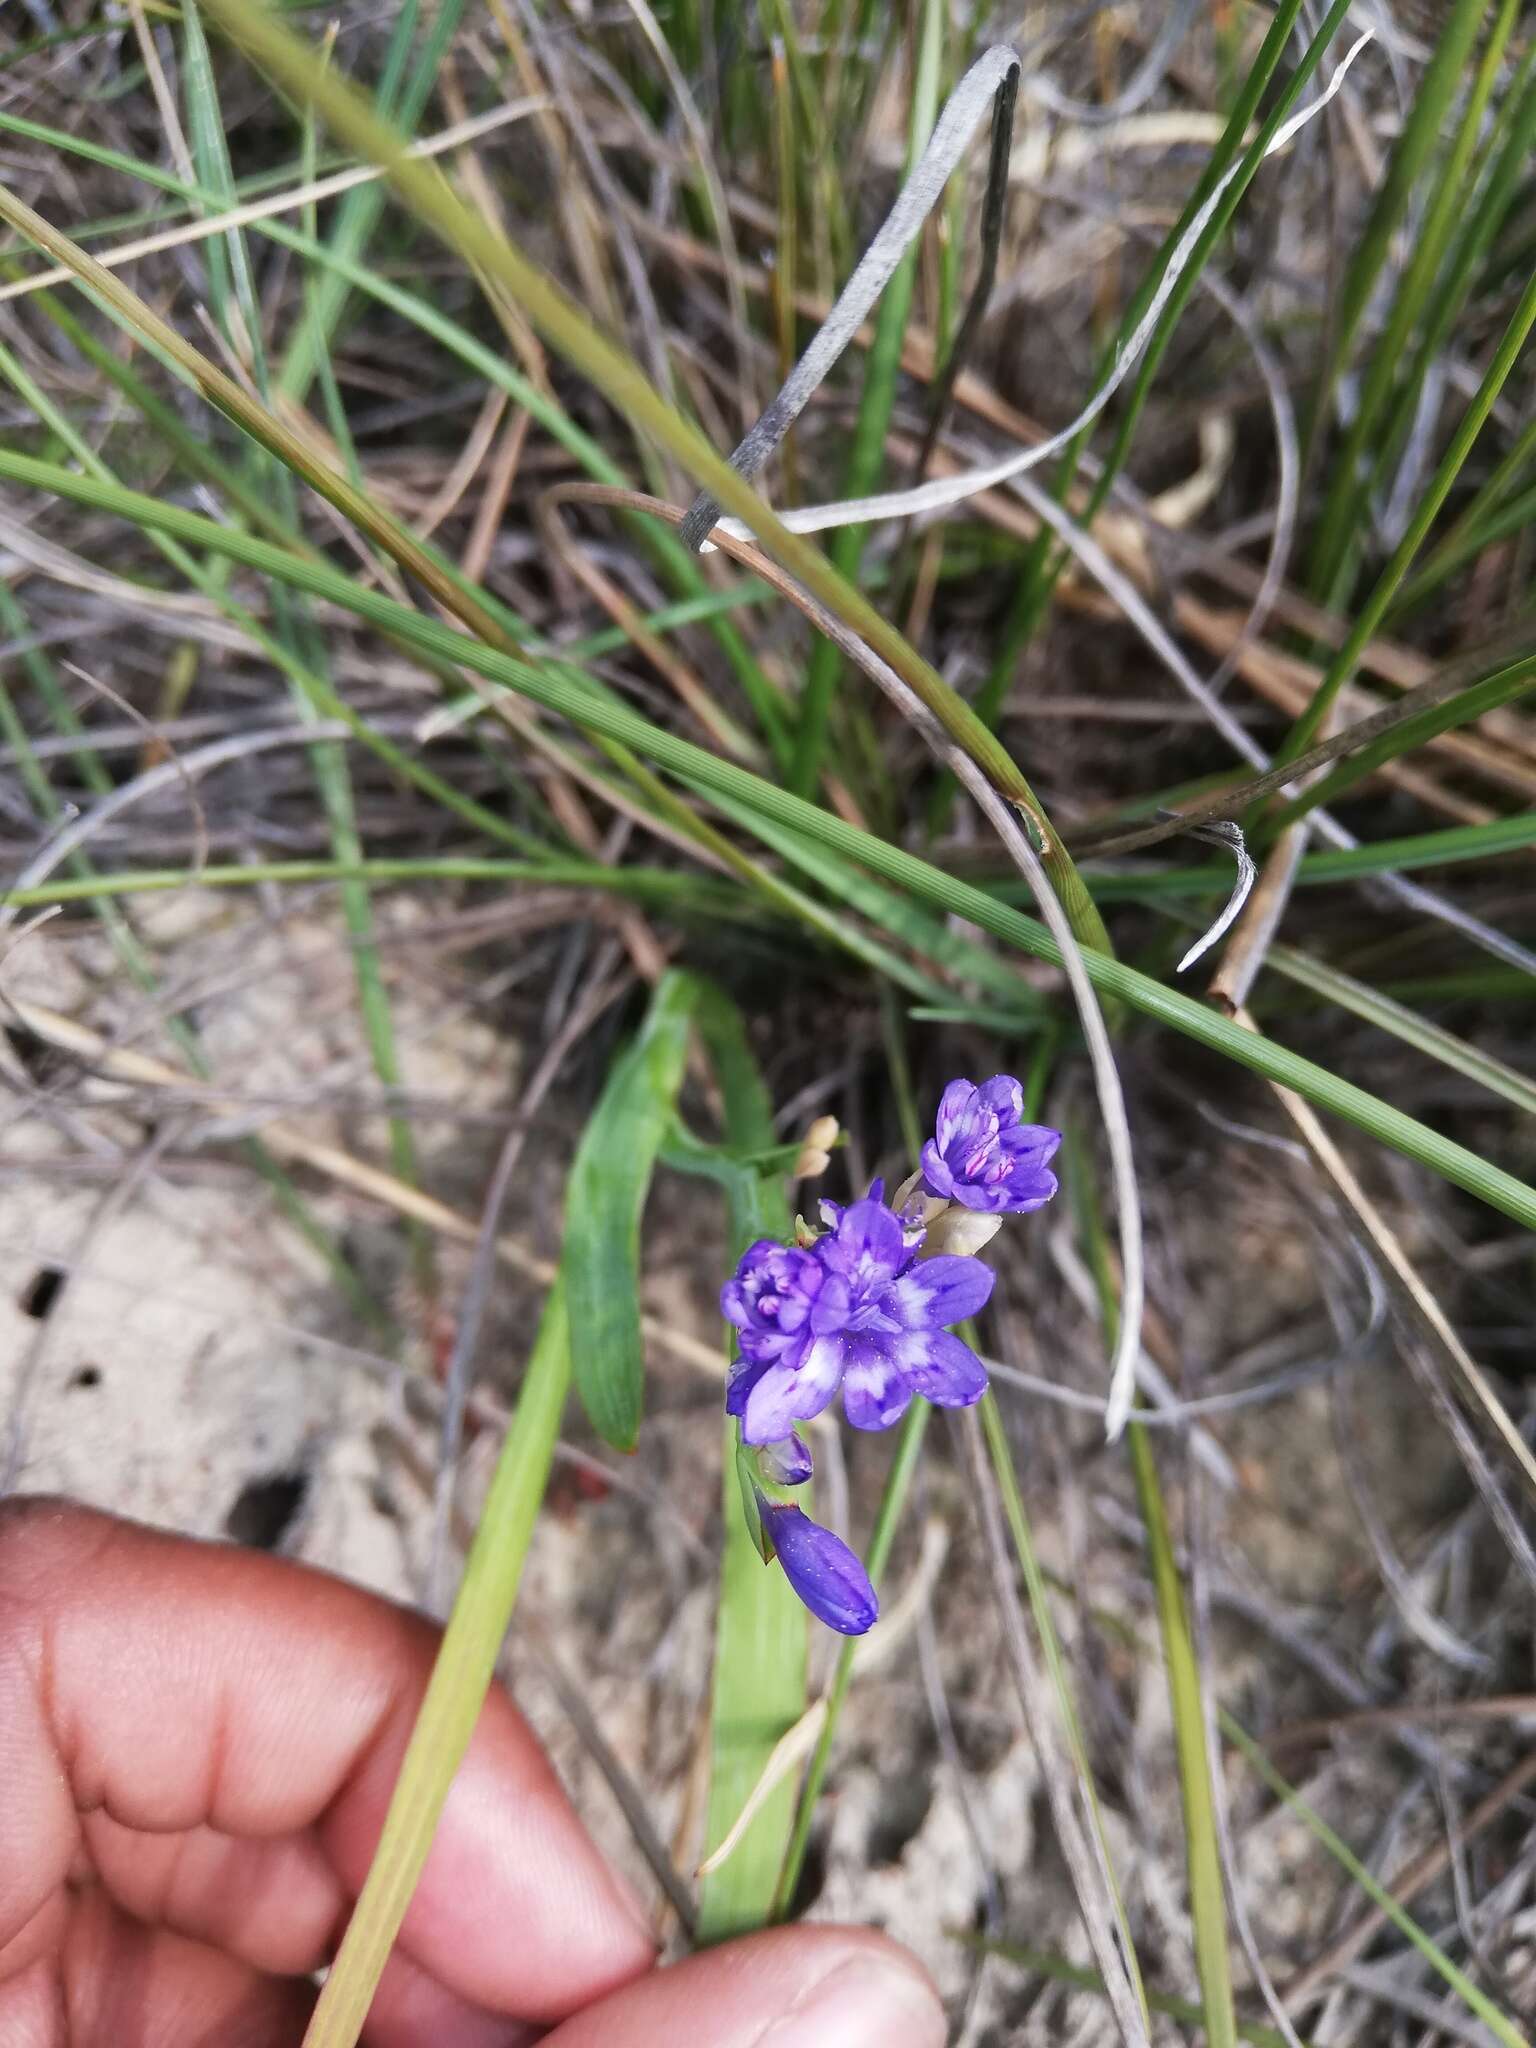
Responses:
[795,1987]
[116,1984]
[181,1688]
[273,1902]
[412,2010]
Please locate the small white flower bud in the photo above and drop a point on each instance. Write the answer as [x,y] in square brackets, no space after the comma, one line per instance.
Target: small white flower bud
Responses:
[816,1148]
[963,1231]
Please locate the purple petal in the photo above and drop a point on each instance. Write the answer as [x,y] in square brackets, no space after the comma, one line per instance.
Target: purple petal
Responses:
[1004,1097]
[936,1170]
[822,1569]
[990,1199]
[867,1241]
[786,1463]
[1034,1143]
[832,1306]
[953,1103]
[734,1300]
[744,1376]
[876,1392]
[733,1304]
[941,1290]
[784,1396]
[770,1296]
[1030,1191]
[942,1369]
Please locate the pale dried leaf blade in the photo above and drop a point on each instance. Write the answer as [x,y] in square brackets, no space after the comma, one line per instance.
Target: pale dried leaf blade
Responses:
[941,492]
[951,137]
[1229,834]
[787,1755]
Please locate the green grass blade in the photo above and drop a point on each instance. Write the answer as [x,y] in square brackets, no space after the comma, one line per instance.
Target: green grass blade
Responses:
[605,1197]
[1503,687]
[1428,118]
[1499,836]
[1370,615]
[1344,508]
[667,888]
[477,1626]
[710,776]
[1207,1899]
[1425,1036]
[866,461]
[359,212]
[930,938]
[1502,2028]
[1486,519]
[1043,560]
[564,325]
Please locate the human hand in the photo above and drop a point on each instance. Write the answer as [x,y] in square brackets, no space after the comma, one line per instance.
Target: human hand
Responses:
[197,1746]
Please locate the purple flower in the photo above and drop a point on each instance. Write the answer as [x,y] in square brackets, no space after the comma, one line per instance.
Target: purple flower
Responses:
[877,1328]
[982,1156]
[787,1372]
[821,1568]
[771,1298]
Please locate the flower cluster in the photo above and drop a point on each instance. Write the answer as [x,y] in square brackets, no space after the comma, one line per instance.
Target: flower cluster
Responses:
[865,1308]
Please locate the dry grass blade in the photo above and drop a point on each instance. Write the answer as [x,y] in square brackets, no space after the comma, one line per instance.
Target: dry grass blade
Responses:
[188,233]
[1426,1310]
[992,74]
[937,496]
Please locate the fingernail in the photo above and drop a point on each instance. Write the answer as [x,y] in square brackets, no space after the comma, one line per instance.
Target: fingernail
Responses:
[867,2002]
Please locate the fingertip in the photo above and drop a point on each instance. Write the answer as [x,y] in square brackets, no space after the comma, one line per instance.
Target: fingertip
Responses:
[791,1987]
[411,2008]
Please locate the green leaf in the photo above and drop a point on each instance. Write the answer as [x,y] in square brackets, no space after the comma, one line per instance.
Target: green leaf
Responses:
[758,1695]
[758,1691]
[610,1178]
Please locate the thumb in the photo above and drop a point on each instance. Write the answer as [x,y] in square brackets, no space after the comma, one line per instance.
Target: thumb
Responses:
[793,1987]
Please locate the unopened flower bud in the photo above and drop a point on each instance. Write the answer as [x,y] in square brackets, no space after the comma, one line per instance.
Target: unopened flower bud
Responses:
[963,1231]
[816,1148]
[822,1569]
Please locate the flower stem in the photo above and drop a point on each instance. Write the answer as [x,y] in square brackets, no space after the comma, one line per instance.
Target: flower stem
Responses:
[893,1500]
